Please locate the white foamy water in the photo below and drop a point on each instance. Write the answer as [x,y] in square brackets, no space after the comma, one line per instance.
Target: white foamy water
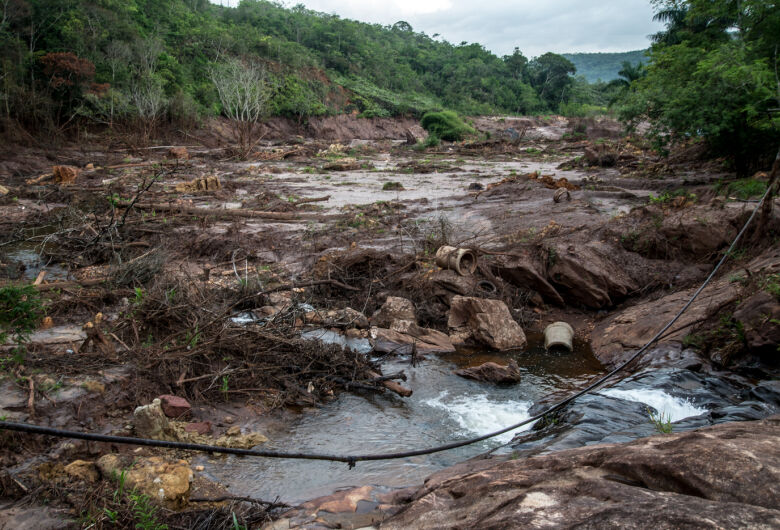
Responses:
[671,407]
[477,414]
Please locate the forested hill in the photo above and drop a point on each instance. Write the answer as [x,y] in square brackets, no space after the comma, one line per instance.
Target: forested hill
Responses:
[114,60]
[603,66]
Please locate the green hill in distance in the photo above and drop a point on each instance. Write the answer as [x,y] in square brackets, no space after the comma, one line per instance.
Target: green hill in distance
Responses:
[603,66]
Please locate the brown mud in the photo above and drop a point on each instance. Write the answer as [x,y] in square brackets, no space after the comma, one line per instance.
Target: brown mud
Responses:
[190,272]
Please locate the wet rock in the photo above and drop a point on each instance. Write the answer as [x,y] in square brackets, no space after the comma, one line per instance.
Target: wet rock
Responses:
[149,421]
[562,194]
[587,274]
[178,153]
[759,316]
[524,273]
[80,469]
[426,340]
[476,186]
[165,481]
[394,308]
[667,481]
[493,373]
[488,321]
[449,283]
[65,174]
[37,517]
[344,501]
[174,406]
[600,155]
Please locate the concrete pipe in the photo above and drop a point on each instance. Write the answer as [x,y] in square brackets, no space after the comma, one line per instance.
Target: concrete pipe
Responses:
[559,335]
[461,260]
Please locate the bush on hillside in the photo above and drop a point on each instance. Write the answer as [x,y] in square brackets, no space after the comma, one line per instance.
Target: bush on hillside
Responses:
[446,125]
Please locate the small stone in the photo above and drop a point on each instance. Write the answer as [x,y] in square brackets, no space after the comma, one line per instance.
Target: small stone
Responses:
[199,468]
[90,166]
[234,431]
[175,406]
[94,387]
[229,419]
[65,174]
[47,323]
[202,427]
[178,153]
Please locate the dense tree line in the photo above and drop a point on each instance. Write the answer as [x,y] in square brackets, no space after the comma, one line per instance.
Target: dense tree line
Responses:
[713,76]
[146,61]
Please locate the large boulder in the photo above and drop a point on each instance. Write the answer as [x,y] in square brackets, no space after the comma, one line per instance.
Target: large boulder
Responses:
[488,322]
[493,373]
[394,308]
[727,476]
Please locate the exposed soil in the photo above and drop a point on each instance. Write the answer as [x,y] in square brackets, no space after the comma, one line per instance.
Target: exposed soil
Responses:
[190,272]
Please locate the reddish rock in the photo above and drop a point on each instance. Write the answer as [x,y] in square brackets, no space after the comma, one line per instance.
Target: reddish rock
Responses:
[175,406]
[719,477]
[493,373]
[201,427]
[488,321]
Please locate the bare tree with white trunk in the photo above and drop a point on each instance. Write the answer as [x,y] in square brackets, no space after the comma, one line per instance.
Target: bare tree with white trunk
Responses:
[244,90]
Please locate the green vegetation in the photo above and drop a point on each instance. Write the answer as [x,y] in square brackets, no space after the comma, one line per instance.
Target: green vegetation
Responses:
[392,186]
[20,311]
[661,422]
[712,78]
[604,66]
[744,189]
[69,64]
[446,125]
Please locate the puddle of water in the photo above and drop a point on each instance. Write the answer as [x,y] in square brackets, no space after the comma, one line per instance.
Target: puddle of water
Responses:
[673,408]
[331,337]
[33,264]
[443,408]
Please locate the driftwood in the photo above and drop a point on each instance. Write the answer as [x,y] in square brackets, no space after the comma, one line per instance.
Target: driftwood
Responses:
[66,285]
[392,386]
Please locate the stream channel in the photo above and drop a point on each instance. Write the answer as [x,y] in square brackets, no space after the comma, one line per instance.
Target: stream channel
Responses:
[444,408]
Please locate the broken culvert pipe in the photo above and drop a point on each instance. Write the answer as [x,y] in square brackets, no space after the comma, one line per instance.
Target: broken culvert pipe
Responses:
[559,335]
[461,260]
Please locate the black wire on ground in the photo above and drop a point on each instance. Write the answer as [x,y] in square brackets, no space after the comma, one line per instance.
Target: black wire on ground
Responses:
[351,460]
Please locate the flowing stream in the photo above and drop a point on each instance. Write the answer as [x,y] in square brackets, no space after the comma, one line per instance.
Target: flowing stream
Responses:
[443,409]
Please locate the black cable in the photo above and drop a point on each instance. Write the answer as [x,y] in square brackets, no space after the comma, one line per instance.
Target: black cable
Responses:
[351,460]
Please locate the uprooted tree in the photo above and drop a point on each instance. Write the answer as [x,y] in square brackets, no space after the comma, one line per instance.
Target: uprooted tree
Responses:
[244,90]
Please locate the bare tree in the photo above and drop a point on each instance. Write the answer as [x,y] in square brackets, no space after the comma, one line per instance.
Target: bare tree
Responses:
[243,90]
[149,99]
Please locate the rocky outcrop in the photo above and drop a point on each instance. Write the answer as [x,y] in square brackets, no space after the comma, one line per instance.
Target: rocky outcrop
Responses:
[588,274]
[493,373]
[525,273]
[614,338]
[668,481]
[759,316]
[488,322]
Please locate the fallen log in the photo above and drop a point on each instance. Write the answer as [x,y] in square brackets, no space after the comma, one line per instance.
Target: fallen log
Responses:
[220,212]
[67,285]
[392,386]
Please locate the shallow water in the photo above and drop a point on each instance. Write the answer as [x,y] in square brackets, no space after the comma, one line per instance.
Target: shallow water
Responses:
[443,409]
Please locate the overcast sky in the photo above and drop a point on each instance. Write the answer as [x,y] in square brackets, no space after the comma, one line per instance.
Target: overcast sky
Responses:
[534,26]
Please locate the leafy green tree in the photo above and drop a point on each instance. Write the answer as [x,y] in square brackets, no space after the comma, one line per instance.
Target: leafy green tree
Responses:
[550,74]
[714,79]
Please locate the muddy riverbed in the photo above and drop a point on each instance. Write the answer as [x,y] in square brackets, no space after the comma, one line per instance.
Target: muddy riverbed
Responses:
[195,274]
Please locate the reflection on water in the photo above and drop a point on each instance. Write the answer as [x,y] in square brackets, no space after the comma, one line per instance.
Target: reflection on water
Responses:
[443,408]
